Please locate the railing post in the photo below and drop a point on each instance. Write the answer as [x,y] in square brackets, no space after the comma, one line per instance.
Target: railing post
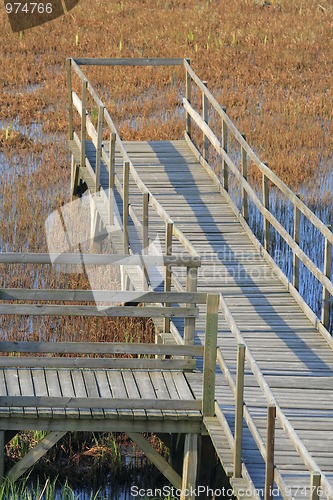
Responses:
[265,195]
[245,202]
[145,236]
[239,410]
[99,148]
[70,99]
[325,314]
[111,176]
[205,118]
[167,269]
[126,206]
[189,323]
[225,173]
[209,370]
[297,226]
[84,123]
[270,444]
[315,485]
[188,97]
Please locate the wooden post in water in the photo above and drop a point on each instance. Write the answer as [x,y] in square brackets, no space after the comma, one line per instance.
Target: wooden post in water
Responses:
[190,467]
[205,118]
[84,123]
[70,99]
[188,97]
[297,226]
[126,206]
[245,202]
[325,314]
[270,444]
[209,371]
[167,269]
[315,485]
[225,173]
[111,176]
[239,410]
[99,148]
[265,196]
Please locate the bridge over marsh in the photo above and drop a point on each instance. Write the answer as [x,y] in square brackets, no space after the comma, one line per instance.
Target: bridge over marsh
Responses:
[240,358]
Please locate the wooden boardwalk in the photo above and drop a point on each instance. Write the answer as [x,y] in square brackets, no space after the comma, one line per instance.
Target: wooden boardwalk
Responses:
[274,398]
[256,377]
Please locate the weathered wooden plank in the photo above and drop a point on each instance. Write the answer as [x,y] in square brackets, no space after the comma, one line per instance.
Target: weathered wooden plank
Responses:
[130,61]
[104,311]
[99,348]
[27,388]
[85,402]
[94,362]
[67,390]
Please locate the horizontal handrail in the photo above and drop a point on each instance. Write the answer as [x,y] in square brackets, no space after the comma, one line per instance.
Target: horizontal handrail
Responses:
[65,295]
[99,259]
[271,399]
[103,311]
[102,403]
[101,348]
[129,61]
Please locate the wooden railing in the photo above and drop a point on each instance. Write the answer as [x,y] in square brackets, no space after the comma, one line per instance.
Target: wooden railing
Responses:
[274,413]
[75,355]
[122,185]
[239,172]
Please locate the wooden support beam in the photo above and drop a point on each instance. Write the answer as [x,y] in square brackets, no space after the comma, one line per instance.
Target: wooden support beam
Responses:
[191,286]
[315,493]
[99,149]
[205,118]
[325,314]
[297,222]
[224,145]
[208,391]
[34,455]
[70,99]
[84,123]
[160,463]
[167,269]
[111,176]
[270,444]
[239,411]
[188,97]
[190,467]
[126,207]
[265,195]
[245,202]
